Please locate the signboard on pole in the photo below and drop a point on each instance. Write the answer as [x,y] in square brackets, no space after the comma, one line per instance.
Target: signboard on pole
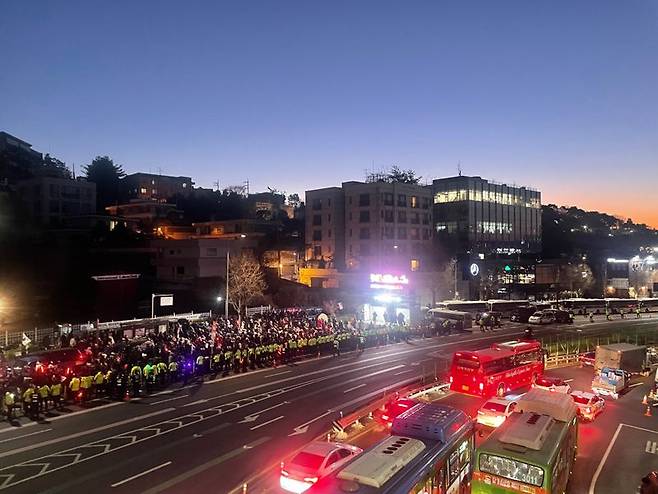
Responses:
[167,301]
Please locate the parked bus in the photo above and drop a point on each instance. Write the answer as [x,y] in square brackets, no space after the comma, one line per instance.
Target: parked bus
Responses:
[497,370]
[430,449]
[584,305]
[533,451]
[472,306]
[506,307]
[457,319]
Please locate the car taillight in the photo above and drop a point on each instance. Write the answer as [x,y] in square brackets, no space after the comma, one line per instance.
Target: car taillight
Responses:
[312,480]
[284,473]
[384,417]
[481,386]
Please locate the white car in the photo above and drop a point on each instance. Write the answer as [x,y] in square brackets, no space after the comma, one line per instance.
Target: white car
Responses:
[495,411]
[554,384]
[316,460]
[541,317]
[589,404]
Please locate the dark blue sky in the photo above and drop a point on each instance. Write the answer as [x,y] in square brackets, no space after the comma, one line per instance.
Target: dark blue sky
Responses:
[561,95]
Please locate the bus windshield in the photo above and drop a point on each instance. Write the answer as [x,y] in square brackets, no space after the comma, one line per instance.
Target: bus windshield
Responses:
[468,363]
[512,469]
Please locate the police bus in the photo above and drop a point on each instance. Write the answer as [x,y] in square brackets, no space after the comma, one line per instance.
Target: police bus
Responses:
[533,451]
[430,450]
[497,370]
[457,319]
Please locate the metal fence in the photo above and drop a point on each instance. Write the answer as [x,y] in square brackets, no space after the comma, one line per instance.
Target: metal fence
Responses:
[564,349]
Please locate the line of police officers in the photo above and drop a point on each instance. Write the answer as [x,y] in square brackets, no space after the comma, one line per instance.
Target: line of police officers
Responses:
[52,390]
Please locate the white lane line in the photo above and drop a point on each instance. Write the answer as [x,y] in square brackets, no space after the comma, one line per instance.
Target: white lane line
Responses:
[25,435]
[198,402]
[266,423]
[205,466]
[278,374]
[403,372]
[353,388]
[377,392]
[313,420]
[271,408]
[145,472]
[84,433]
[603,460]
[169,399]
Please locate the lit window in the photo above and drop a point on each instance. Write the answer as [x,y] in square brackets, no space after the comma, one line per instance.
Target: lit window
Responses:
[415,264]
[142,190]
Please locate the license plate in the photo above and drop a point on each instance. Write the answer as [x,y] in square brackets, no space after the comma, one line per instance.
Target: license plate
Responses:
[464,387]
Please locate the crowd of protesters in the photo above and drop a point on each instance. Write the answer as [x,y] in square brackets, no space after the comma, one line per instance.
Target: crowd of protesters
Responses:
[111,365]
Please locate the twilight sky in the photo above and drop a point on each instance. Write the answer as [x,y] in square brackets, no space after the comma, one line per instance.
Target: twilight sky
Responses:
[560,95]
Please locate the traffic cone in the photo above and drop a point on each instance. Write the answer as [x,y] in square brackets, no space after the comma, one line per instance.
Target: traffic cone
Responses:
[644,400]
[648,412]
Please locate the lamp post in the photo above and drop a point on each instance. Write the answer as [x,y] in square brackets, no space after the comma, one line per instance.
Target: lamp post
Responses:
[228,262]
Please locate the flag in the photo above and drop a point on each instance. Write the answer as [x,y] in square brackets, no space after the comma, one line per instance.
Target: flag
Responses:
[25,340]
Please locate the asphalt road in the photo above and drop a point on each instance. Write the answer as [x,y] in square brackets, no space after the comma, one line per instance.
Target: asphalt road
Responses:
[215,435]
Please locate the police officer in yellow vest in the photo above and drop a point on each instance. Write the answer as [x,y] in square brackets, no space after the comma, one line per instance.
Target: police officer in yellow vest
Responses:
[74,387]
[56,392]
[44,396]
[8,402]
[85,384]
[173,371]
[162,373]
[99,383]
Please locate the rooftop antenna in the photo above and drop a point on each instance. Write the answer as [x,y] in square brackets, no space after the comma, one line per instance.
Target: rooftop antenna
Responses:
[216,185]
[459,168]
[73,171]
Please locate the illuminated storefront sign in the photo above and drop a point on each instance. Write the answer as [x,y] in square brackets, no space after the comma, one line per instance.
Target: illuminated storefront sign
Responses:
[380,281]
[474,269]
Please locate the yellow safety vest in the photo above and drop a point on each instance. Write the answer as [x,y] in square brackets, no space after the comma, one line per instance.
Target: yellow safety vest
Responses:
[75,384]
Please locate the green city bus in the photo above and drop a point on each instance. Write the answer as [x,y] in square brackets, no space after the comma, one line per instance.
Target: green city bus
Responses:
[533,451]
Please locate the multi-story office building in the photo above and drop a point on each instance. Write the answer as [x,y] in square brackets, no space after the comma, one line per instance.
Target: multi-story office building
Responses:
[148,186]
[370,226]
[325,227]
[49,199]
[474,215]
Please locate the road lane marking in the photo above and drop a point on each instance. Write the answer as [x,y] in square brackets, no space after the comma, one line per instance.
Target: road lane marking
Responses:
[198,402]
[25,435]
[266,423]
[374,393]
[403,372]
[278,374]
[271,408]
[83,433]
[205,466]
[355,387]
[169,399]
[145,472]
[651,447]
[603,460]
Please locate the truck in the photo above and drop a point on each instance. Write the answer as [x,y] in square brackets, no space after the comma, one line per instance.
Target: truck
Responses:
[610,382]
[623,356]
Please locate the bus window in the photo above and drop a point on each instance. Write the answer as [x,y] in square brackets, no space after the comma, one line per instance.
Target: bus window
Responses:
[433,483]
[528,357]
[453,467]
[468,363]
[498,365]
[512,469]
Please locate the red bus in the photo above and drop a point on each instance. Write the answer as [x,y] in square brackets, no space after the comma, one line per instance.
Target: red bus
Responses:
[497,370]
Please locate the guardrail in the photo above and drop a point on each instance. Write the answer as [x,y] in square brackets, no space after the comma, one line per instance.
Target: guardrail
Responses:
[355,418]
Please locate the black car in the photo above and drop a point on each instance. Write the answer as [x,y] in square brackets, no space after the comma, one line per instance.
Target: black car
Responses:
[522,314]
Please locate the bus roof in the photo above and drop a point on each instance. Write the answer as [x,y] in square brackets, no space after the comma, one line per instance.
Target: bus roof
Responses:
[527,437]
[419,437]
[517,345]
[449,311]
[485,355]
[560,406]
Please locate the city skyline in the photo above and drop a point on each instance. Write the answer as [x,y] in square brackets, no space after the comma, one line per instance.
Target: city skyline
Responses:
[557,97]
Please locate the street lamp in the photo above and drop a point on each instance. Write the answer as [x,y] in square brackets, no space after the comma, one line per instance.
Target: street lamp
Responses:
[219,298]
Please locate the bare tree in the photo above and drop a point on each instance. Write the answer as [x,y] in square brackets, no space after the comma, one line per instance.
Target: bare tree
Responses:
[246,281]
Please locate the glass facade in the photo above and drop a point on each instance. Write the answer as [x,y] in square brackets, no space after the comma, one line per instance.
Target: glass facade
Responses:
[473,214]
